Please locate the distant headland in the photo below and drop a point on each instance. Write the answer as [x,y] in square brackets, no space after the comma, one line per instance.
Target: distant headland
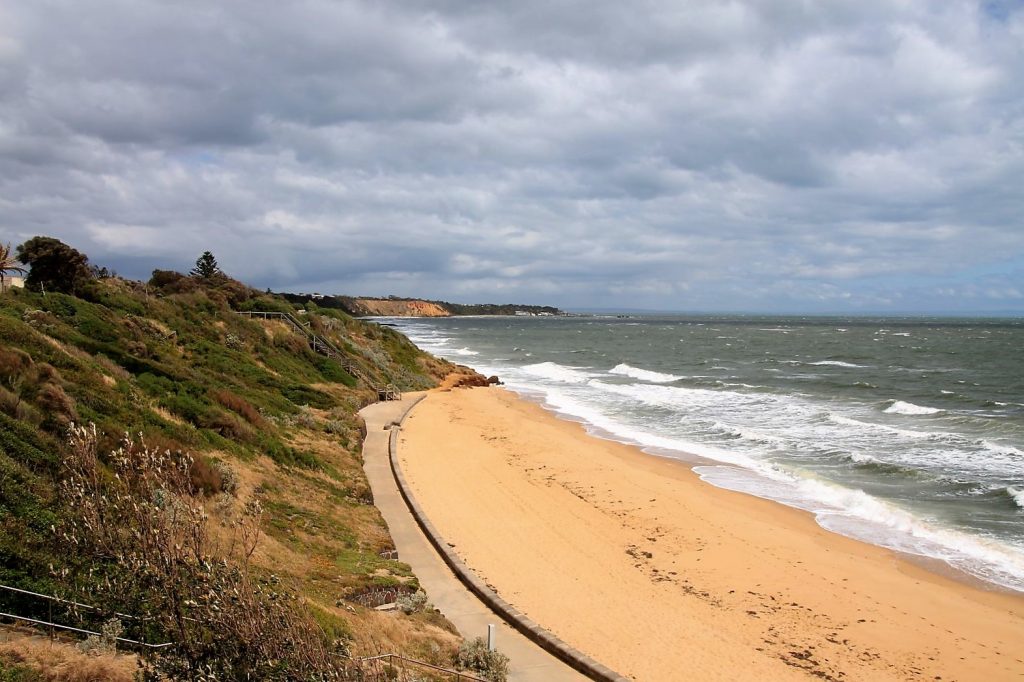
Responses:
[395,306]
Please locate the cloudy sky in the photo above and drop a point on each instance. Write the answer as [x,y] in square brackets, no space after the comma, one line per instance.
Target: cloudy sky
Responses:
[862,155]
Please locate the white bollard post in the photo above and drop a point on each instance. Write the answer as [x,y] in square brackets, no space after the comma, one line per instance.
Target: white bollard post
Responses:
[490,637]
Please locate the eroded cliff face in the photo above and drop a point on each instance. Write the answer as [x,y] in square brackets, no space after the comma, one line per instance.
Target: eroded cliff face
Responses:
[400,308]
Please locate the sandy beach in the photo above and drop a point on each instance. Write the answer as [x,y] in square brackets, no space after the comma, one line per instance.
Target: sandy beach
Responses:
[633,560]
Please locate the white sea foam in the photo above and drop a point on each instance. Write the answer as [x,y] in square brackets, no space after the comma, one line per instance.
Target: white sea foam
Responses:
[466,351]
[680,398]
[1017,494]
[1001,449]
[746,434]
[836,363]
[1006,459]
[861,458]
[643,374]
[556,372]
[847,421]
[563,403]
[900,407]
[990,559]
[857,514]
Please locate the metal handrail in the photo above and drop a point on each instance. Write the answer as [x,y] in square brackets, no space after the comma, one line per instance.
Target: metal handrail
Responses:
[52,598]
[459,675]
[319,343]
[86,632]
[66,601]
[366,659]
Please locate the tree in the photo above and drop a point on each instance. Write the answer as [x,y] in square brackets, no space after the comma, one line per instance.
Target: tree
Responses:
[55,265]
[8,263]
[206,267]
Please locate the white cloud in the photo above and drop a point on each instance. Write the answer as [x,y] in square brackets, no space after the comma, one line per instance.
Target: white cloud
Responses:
[748,154]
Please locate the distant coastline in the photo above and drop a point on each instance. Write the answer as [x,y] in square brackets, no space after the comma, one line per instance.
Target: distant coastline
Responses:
[396,306]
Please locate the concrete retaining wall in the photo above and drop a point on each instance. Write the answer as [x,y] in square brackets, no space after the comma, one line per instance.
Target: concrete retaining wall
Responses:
[577,659]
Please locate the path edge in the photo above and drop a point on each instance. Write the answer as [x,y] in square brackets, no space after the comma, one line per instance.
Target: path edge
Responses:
[532,631]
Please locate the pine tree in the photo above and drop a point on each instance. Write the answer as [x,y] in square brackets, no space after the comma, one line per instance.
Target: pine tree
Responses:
[206,267]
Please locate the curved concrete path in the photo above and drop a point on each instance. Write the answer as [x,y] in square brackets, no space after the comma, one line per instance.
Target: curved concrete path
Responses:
[527,661]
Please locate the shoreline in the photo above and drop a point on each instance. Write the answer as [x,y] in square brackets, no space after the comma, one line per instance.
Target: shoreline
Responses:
[692,461]
[768,586]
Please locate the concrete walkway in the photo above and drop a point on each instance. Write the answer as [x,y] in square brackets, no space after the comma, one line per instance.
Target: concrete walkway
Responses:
[528,662]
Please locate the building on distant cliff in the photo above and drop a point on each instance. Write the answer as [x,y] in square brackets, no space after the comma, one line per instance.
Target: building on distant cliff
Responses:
[11,282]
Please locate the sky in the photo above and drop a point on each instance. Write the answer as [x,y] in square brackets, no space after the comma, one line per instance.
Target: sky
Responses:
[771,156]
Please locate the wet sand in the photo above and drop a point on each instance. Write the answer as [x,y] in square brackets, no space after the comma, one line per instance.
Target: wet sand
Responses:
[633,560]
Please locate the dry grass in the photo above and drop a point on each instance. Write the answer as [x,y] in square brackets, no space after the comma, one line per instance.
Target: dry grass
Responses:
[378,632]
[112,369]
[70,351]
[275,328]
[60,661]
[238,405]
[167,415]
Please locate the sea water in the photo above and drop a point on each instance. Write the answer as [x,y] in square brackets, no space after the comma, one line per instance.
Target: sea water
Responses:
[908,433]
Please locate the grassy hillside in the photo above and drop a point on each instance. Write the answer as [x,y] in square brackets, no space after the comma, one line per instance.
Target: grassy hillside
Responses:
[268,425]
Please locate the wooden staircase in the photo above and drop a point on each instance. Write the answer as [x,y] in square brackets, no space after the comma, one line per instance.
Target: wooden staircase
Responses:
[321,345]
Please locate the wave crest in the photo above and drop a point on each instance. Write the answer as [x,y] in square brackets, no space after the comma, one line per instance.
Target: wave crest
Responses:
[901,407]
[557,372]
[623,369]
[1017,494]
[836,363]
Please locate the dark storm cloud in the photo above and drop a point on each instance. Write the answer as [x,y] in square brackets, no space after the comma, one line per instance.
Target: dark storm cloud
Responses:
[745,155]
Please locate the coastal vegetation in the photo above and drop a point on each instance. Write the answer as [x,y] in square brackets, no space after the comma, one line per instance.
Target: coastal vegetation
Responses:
[169,458]
[8,264]
[55,266]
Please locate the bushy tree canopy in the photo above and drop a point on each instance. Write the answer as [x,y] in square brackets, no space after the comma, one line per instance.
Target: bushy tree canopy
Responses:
[55,265]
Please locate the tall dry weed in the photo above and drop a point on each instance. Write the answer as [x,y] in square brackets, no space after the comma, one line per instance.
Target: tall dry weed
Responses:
[146,532]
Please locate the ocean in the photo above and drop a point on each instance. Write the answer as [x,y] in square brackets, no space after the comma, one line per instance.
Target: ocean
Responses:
[903,432]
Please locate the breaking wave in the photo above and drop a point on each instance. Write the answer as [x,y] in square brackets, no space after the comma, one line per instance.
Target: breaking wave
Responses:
[1017,494]
[643,374]
[901,407]
[557,372]
[836,363]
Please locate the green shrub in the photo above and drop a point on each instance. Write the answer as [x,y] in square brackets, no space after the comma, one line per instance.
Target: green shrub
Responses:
[25,444]
[186,406]
[17,672]
[155,385]
[228,425]
[333,371]
[474,655]
[305,395]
